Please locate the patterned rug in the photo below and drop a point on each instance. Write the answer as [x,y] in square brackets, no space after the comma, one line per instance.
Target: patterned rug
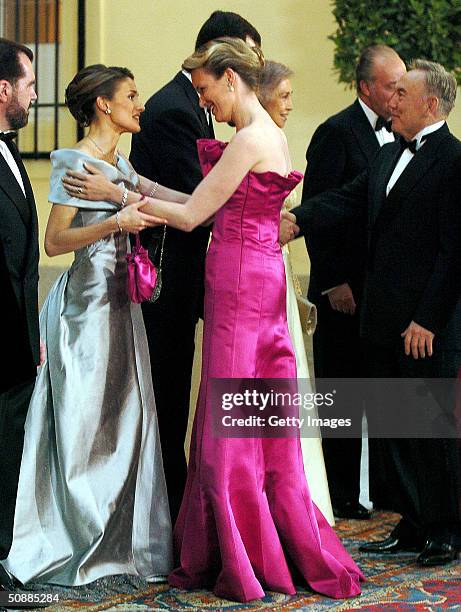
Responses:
[394,583]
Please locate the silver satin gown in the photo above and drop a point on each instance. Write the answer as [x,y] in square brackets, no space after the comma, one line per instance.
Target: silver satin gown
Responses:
[92,497]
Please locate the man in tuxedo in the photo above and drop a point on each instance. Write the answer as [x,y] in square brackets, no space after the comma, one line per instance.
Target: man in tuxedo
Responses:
[340,149]
[19,280]
[408,201]
[165,151]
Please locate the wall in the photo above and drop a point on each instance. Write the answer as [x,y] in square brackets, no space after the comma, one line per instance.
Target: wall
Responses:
[152,37]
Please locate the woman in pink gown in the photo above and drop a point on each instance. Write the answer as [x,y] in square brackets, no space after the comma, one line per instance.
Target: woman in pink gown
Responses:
[247,508]
[247,520]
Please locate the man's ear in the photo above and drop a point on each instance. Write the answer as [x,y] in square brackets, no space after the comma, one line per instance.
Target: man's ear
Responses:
[5,90]
[433,104]
[363,88]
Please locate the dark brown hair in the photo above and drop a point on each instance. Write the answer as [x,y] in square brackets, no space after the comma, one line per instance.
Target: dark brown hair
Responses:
[10,66]
[90,83]
[226,23]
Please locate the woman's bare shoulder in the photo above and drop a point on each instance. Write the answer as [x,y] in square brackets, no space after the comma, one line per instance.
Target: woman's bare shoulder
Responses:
[256,136]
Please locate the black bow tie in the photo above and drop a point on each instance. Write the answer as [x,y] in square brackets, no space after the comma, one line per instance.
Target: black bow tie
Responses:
[411,146]
[8,136]
[383,123]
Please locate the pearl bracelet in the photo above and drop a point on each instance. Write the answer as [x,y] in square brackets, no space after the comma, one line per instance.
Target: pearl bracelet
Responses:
[124,197]
[153,190]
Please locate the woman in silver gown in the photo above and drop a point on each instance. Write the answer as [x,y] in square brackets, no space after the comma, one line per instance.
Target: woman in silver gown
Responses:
[92,497]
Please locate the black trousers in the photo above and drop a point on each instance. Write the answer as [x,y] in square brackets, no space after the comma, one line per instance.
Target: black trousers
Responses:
[171,338]
[13,411]
[422,474]
[338,354]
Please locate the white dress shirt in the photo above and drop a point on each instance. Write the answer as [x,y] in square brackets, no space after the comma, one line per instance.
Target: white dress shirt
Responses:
[407,155]
[382,135]
[4,150]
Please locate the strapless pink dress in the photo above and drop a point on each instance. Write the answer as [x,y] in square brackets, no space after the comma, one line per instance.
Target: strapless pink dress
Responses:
[247,516]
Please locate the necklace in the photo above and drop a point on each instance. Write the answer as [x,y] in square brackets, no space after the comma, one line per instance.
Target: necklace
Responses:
[104,155]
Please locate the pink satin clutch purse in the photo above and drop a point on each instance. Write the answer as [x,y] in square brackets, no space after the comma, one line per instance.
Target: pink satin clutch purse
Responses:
[141,274]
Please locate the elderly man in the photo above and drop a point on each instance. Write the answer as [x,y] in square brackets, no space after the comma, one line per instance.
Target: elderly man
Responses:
[409,200]
[340,149]
[19,280]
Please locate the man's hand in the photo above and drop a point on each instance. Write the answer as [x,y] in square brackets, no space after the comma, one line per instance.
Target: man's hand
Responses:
[342,299]
[288,227]
[417,340]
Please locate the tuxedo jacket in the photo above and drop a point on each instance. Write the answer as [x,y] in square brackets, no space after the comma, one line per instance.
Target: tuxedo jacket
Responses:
[19,256]
[414,247]
[165,151]
[340,149]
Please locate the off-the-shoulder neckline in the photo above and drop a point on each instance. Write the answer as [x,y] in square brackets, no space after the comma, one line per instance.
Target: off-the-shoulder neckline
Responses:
[82,153]
[264,172]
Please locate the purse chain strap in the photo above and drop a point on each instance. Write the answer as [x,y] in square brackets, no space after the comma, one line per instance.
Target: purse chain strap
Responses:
[161,248]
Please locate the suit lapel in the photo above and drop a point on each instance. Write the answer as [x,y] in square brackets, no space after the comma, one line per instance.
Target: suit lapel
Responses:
[22,170]
[32,254]
[390,154]
[366,138]
[417,168]
[211,127]
[11,187]
[194,99]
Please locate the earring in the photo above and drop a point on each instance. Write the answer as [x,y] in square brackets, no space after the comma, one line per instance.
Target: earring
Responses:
[108,111]
[230,87]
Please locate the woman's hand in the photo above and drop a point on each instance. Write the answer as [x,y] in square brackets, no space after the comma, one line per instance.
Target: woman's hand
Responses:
[131,219]
[42,353]
[92,186]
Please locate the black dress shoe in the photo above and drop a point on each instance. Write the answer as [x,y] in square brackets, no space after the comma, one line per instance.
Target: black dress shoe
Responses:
[391,544]
[437,553]
[351,510]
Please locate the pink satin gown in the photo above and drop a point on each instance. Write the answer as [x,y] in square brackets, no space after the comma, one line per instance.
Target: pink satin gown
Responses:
[247,514]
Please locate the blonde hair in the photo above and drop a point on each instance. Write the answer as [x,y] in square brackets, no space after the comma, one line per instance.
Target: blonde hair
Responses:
[222,53]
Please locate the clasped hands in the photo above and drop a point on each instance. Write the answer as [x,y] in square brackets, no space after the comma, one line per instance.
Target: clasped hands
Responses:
[288,228]
[94,185]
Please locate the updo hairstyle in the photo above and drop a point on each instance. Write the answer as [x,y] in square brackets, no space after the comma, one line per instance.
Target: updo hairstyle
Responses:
[272,75]
[218,55]
[88,84]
